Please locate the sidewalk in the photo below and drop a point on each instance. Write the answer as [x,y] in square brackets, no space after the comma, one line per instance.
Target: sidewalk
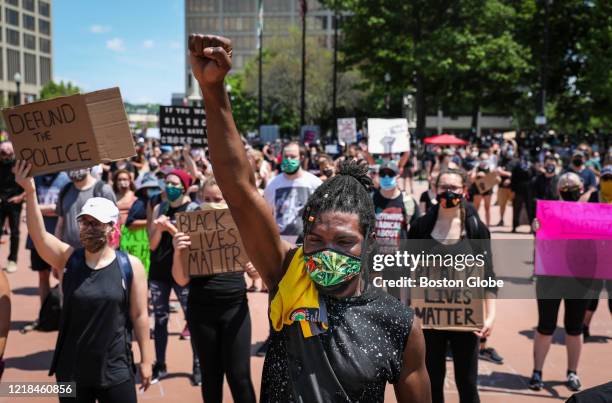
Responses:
[28,356]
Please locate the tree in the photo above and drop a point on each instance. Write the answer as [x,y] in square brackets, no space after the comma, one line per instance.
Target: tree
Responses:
[445,51]
[281,83]
[54,90]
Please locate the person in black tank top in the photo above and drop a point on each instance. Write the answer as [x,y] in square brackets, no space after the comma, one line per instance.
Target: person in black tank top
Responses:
[219,320]
[340,362]
[160,272]
[445,230]
[105,296]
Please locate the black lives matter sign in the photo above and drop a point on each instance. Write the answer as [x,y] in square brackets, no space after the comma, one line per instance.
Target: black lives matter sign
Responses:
[180,125]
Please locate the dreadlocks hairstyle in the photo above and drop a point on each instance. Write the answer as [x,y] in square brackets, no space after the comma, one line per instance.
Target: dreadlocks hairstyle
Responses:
[348,192]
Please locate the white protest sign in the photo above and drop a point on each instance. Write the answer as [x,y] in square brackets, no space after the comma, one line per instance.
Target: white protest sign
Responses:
[387,136]
[347,130]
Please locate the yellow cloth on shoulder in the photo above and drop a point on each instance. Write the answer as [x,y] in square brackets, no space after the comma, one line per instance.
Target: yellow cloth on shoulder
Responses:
[297,299]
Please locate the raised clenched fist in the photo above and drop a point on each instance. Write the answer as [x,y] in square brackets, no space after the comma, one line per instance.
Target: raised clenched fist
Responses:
[210,57]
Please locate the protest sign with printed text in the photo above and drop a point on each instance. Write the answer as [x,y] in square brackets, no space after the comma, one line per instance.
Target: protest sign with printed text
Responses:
[347,130]
[78,131]
[574,240]
[180,125]
[216,246]
[387,136]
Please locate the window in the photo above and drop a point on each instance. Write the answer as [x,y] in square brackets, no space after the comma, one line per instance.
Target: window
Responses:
[29,22]
[203,6]
[44,27]
[203,24]
[316,23]
[276,24]
[1,64]
[240,6]
[29,41]
[13,2]
[44,8]
[13,62]
[44,45]
[278,5]
[45,70]
[28,5]
[238,24]
[29,61]
[244,42]
[12,17]
[12,37]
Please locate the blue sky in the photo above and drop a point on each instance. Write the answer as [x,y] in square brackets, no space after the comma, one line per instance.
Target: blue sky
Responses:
[137,45]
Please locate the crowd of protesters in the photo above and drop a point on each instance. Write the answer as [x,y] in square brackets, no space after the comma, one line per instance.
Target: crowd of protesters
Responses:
[78,219]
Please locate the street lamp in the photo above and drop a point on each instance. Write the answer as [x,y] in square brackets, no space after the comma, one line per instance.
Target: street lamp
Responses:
[17,79]
[387,96]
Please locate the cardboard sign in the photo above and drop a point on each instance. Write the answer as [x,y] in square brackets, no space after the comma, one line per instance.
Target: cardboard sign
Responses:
[486,182]
[136,243]
[180,125]
[73,132]
[386,136]
[347,130]
[216,246]
[449,308]
[574,240]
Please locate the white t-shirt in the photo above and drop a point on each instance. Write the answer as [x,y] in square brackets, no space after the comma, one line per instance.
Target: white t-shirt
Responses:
[287,197]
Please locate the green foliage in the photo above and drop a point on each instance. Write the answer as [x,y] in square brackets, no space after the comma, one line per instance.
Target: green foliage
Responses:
[282,80]
[54,90]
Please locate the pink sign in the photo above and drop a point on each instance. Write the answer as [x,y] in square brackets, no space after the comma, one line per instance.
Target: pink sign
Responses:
[574,240]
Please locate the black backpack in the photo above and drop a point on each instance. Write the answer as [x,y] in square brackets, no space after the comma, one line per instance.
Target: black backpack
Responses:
[50,311]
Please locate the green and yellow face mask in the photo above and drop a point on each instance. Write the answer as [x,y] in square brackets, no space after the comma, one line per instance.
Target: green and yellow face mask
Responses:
[329,267]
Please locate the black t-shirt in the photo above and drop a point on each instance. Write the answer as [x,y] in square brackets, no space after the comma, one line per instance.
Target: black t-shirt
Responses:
[545,188]
[8,186]
[161,258]
[391,221]
[429,202]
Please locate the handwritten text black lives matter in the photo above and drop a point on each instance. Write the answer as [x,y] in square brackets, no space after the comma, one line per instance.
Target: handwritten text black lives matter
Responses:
[216,246]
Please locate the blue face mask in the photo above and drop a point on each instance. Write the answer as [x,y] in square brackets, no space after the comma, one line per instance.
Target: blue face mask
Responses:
[388,182]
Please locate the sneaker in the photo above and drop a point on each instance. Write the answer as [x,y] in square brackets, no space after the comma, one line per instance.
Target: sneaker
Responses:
[263,349]
[535,383]
[159,372]
[11,267]
[489,354]
[185,334]
[573,382]
[449,353]
[196,377]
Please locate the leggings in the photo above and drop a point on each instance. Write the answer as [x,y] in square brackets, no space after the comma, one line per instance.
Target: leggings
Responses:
[124,392]
[160,299]
[548,309]
[464,346]
[12,212]
[222,335]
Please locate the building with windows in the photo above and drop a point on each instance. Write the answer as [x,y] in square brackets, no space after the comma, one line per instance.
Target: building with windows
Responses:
[25,48]
[238,20]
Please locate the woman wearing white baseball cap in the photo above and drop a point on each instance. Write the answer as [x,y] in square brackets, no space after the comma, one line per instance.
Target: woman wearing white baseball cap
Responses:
[104,296]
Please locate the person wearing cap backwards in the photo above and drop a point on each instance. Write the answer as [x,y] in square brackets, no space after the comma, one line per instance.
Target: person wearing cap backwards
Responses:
[336,337]
[161,282]
[104,295]
[571,189]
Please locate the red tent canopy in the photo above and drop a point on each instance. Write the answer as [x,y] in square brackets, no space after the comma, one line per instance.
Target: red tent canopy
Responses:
[445,140]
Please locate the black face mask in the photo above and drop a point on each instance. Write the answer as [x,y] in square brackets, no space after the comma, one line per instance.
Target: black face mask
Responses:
[570,195]
[549,168]
[577,162]
[328,172]
[449,199]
